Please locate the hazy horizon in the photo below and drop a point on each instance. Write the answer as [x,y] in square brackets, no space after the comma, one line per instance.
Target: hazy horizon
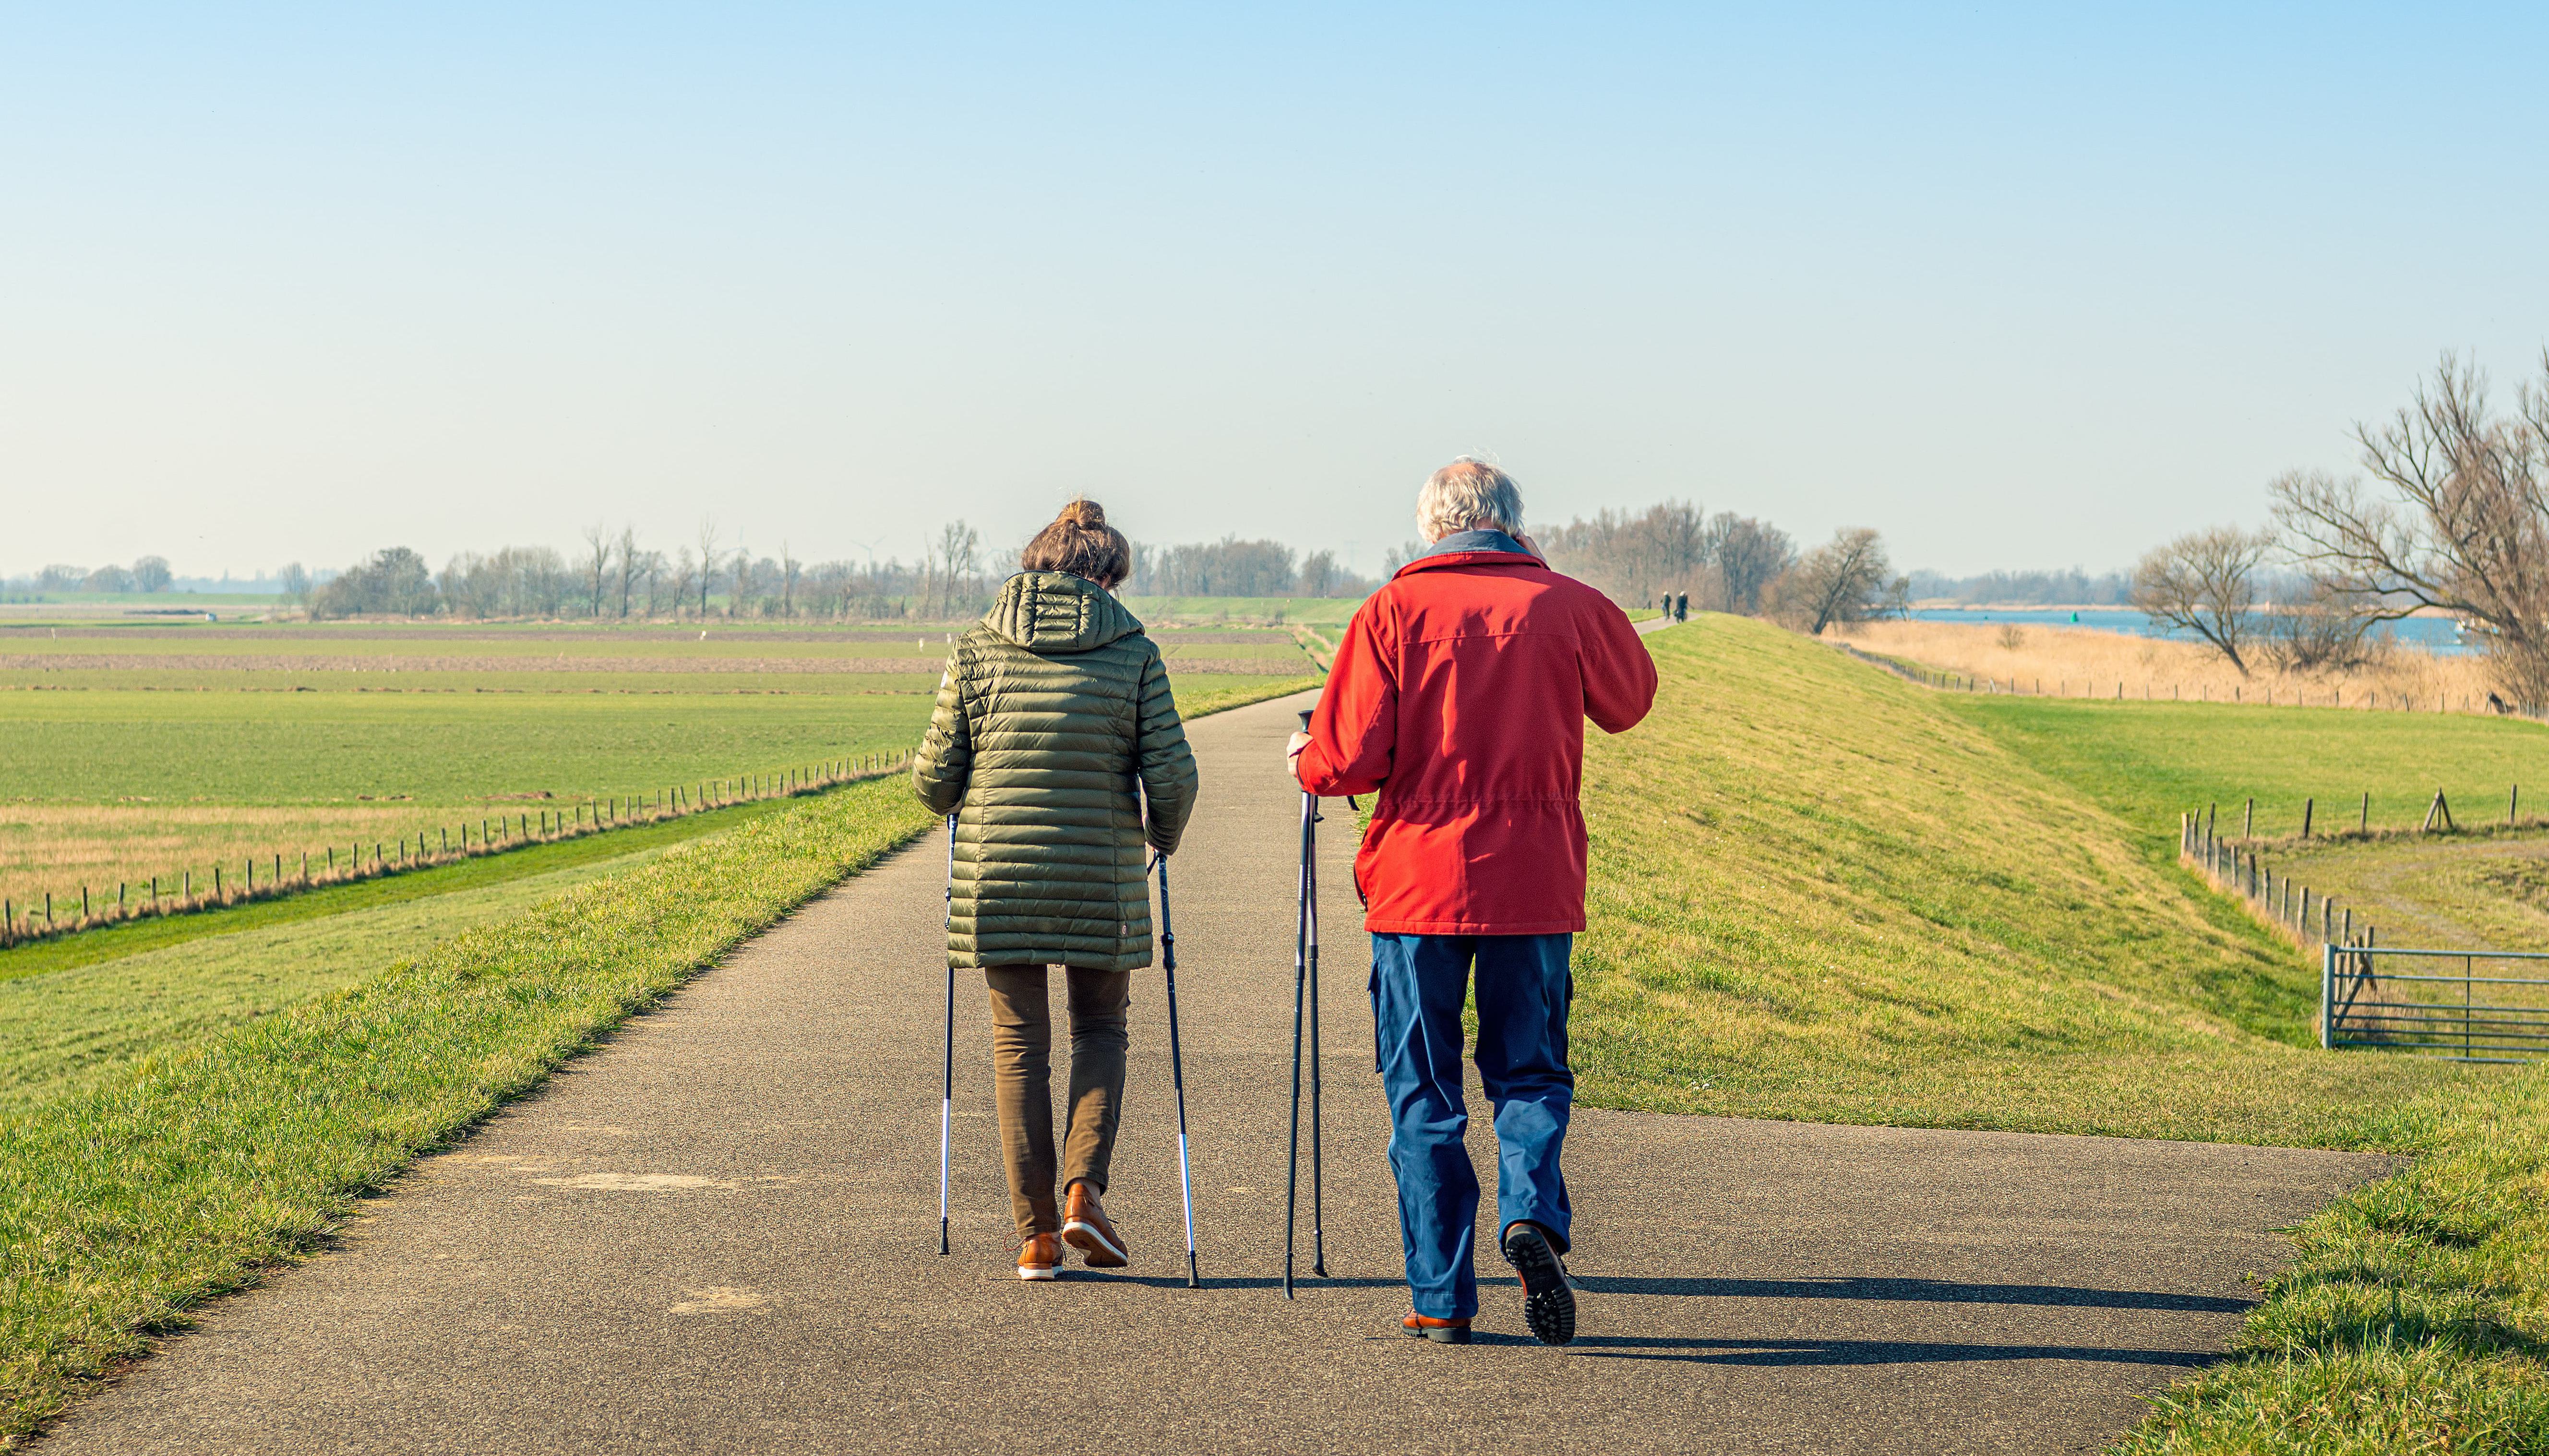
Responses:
[2020,291]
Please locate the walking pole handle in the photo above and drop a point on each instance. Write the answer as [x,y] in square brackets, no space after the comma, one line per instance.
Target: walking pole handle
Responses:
[1167,932]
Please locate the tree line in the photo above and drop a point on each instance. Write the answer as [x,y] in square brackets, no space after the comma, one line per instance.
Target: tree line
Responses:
[2074,588]
[613,575]
[1670,551]
[1727,563]
[148,574]
[2450,513]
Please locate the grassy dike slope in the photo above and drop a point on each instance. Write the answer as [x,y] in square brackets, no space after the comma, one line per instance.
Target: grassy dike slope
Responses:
[1822,892]
[1819,893]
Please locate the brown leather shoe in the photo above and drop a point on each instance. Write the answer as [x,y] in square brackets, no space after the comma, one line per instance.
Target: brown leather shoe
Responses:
[1037,1257]
[1084,1228]
[1440,1331]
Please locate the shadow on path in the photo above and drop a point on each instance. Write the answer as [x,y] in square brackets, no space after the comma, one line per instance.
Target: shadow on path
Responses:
[1927,1290]
[1851,1351]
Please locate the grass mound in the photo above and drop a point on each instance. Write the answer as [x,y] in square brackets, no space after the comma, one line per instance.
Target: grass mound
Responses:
[1819,892]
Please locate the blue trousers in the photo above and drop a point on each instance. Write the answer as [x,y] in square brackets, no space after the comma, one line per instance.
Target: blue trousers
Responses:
[1418,985]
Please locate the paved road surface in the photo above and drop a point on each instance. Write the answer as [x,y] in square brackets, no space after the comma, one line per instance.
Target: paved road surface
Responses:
[719,1235]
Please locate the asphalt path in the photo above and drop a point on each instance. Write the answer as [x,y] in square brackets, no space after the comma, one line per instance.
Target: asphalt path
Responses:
[718,1234]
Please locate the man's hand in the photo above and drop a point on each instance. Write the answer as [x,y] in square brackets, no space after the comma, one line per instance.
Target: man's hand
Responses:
[1292,753]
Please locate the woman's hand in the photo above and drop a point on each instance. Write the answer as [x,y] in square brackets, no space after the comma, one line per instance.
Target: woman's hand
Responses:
[1292,753]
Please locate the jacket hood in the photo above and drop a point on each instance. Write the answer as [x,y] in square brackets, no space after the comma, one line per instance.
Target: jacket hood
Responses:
[1056,612]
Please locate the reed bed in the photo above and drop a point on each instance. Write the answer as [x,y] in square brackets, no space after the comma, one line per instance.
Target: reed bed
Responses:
[2086,662]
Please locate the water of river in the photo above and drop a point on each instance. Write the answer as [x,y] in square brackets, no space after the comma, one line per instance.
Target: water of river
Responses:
[2433,634]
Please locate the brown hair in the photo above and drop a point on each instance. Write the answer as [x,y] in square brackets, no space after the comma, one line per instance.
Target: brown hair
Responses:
[1080,542]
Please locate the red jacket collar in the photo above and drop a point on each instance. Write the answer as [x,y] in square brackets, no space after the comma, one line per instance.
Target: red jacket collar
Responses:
[1470,558]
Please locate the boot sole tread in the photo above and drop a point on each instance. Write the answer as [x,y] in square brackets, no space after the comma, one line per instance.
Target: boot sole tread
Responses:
[1547,1301]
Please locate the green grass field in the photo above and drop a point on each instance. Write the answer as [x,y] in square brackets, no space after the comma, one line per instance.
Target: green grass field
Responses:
[1203,610]
[255,747]
[142,748]
[2150,762]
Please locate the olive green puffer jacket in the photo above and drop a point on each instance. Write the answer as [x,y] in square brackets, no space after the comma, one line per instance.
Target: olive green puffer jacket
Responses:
[1053,721]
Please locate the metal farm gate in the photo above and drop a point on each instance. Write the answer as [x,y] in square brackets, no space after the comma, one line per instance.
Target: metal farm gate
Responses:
[2414,1004]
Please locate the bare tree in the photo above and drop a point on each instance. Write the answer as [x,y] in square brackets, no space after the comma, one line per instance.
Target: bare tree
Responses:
[1845,579]
[956,556]
[2206,582]
[629,565]
[788,569]
[679,585]
[708,560]
[2311,628]
[2459,521]
[1748,556]
[1632,557]
[596,565]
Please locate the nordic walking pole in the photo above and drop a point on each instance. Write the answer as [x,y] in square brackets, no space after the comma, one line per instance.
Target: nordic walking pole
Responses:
[947,1085]
[1310,902]
[1177,1065]
[1301,982]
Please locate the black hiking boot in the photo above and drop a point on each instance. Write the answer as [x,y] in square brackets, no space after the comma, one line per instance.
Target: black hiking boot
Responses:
[1548,1300]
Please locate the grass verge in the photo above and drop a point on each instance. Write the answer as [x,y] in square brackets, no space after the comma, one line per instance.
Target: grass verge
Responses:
[2414,1318]
[128,1203]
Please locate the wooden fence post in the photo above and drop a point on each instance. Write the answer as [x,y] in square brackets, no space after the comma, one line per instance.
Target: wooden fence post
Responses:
[2306,806]
[2366,825]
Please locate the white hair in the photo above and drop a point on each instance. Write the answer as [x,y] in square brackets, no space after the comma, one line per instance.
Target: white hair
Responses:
[1467,495]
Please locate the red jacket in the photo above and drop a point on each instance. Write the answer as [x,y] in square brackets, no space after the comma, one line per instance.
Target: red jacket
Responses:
[1460,694]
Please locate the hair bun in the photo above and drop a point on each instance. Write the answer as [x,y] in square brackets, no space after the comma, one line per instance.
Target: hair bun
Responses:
[1085,514]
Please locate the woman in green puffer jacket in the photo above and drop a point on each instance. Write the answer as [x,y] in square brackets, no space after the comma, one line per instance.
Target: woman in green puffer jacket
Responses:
[1053,730]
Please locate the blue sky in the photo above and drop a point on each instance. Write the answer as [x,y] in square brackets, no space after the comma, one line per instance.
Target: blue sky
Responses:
[2017,286]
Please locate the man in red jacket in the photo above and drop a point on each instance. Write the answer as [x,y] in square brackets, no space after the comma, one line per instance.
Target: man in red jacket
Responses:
[1458,696]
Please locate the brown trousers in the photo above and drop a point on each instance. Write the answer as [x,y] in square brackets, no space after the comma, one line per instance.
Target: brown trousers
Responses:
[1022,1076]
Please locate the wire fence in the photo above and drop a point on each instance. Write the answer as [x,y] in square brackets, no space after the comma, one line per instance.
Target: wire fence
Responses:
[2307,917]
[275,875]
[2373,995]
